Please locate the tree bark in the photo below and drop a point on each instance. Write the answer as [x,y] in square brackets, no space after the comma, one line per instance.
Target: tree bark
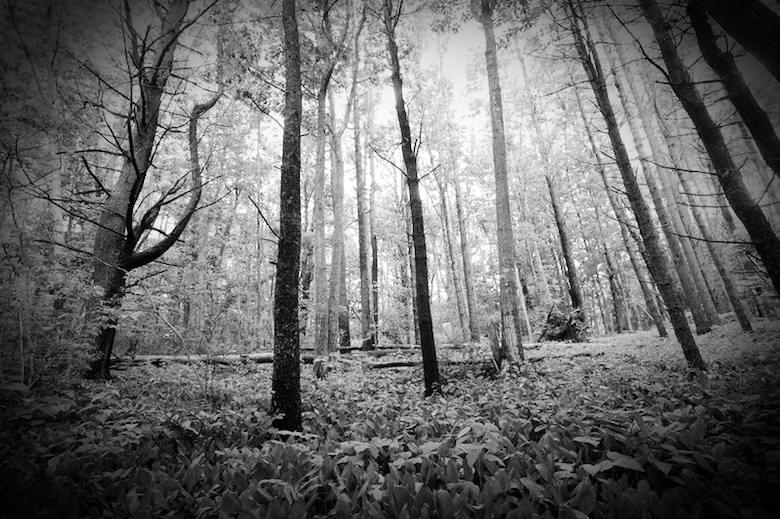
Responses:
[427,342]
[737,90]
[754,25]
[750,214]
[465,255]
[511,327]
[337,242]
[669,220]
[731,290]
[454,278]
[644,283]
[414,330]
[647,126]
[575,290]
[323,327]
[118,236]
[286,378]
[364,228]
[658,261]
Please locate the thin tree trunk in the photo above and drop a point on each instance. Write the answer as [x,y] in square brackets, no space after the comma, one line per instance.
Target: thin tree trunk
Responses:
[455,279]
[465,255]
[286,378]
[345,335]
[644,284]
[320,268]
[511,328]
[337,242]
[725,275]
[649,128]
[758,227]
[374,257]
[427,344]
[575,291]
[658,261]
[414,330]
[523,305]
[364,230]
[323,328]
[671,226]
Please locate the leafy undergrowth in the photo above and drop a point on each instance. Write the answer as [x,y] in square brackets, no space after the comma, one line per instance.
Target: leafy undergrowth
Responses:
[615,429]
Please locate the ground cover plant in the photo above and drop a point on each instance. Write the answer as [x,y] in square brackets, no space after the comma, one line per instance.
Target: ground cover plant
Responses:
[622,428]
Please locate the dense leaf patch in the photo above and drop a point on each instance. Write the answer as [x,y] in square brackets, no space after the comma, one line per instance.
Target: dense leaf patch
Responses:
[623,430]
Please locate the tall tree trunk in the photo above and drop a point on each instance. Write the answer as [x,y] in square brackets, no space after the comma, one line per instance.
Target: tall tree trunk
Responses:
[455,279]
[723,272]
[118,236]
[575,291]
[737,90]
[465,255]
[320,268]
[754,25]
[323,334]
[614,275]
[511,328]
[671,226]
[618,301]
[427,344]
[286,378]
[374,260]
[758,227]
[645,128]
[414,330]
[644,283]
[364,229]
[658,260]
[337,241]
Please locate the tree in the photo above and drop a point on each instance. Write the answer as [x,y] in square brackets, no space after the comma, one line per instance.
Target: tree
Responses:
[658,261]
[645,284]
[695,292]
[118,237]
[511,327]
[454,279]
[364,230]
[737,90]
[330,52]
[748,211]
[712,246]
[754,25]
[391,15]
[286,378]
[465,254]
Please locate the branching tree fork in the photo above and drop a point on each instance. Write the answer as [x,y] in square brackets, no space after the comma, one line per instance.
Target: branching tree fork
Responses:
[119,236]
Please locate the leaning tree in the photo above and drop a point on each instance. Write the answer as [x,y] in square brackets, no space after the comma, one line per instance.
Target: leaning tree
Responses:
[120,230]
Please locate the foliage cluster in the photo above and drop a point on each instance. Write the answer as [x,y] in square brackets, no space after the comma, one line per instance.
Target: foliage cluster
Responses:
[618,431]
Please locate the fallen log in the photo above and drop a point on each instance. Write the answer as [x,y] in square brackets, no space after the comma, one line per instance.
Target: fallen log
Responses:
[264,357]
[415,363]
[267,357]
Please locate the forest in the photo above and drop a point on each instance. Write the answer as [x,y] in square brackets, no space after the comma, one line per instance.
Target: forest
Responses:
[386,258]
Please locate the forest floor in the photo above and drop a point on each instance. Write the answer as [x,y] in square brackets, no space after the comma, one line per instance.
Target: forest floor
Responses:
[618,427]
